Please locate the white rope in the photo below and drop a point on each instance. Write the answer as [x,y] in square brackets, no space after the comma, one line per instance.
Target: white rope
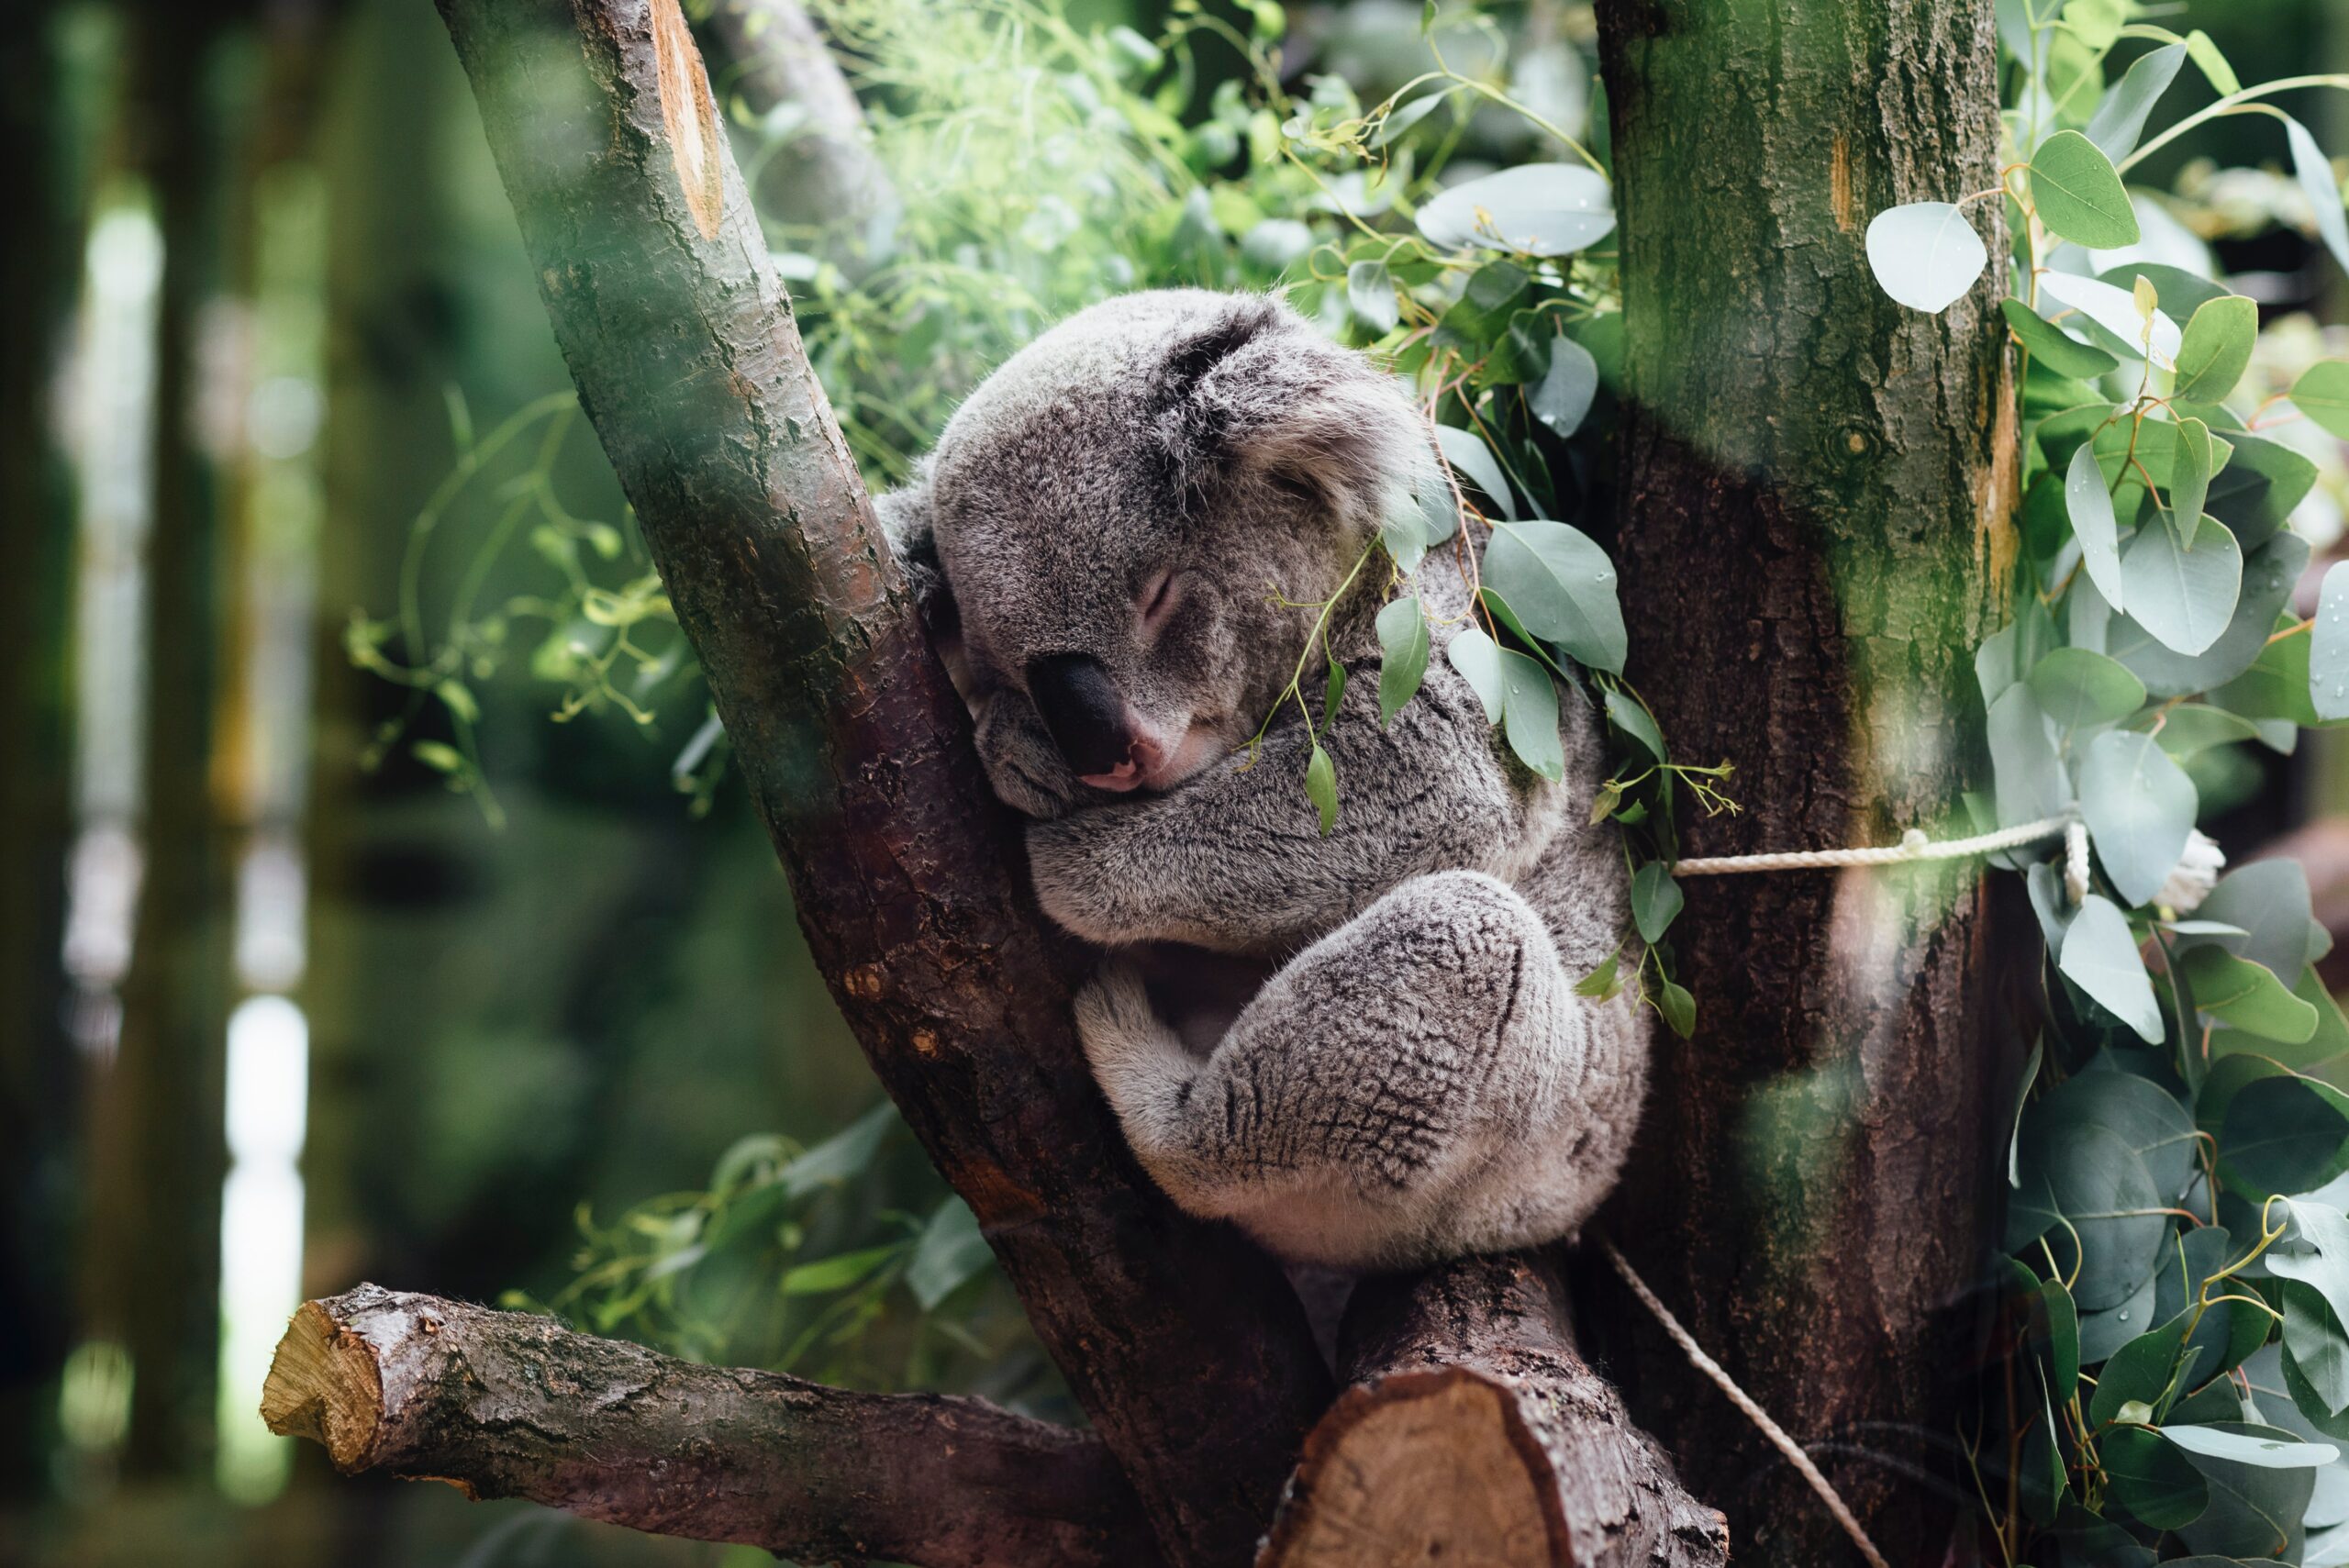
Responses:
[1739,1397]
[1913,846]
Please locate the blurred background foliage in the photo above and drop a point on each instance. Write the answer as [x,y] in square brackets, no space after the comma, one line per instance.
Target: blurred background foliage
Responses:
[377,903]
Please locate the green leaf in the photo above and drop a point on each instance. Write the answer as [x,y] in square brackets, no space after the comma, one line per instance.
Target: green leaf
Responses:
[2216,349]
[1334,692]
[1678,1008]
[1562,398]
[2280,1134]
[2314,172]
[1403,530]
[2249,996]
[1464,449]
[2137,1374]
[1560,585]
[2051,347]
[2189,484]
[1600,982]
[2151,1481]
[1403,655]
[2080,690]
[2187,733]
[2255,1508]
[2185,597]
[839,1271]
[1370,292]
[2078,196]
[841,1157]
[2119,121]
[2329,647]
[2140,807]
[2323,394]
[2213,64]
[2244,1444]
[2268,573]
[1478,658]
[2029,778]
[950,1251]
[2140,1112]
[2109,317]
[2101,957]
[1925,255]
[1635,721]
[1321,787]
[2315,1340]
[439,756]
[1531,710]
[2269,902]
[1655,900]
[2090,504]
[1534,209]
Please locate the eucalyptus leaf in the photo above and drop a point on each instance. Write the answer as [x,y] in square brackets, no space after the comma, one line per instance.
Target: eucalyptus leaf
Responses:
[2268,573]
[1925,254]
[2247,996]
[2269,901]
[2029,777]
[2119,121]
[1402,627]
[1464,449]
[1656,900]
[2313,169]
[2185,598]
[2101,957]
[1534,209]
[2245,1445]
[2191,481]
[1561,587]
[2090,504]
[1562,398]
[1370,293]
[2052,347]
[2323,394]
[1321,787]
[2329,645]
[2079,690]
[2139,808]
[950,1251]
[2255,1508]
[1530,709]
[2113,313]
[2215,349]
[2150,1479]
[2187,733]
[2078,194]
[1478,658]
[1625,712]
[2280,1134]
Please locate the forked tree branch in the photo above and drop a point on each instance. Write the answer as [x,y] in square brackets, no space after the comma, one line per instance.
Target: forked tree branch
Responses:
[1473,1432]
[502,1405]
[1183,1344]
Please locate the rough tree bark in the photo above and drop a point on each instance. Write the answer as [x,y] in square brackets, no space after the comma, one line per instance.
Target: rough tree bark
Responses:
[1185,1344]
[907,874]
[504,1404]
[1816,493]
[1473,1432]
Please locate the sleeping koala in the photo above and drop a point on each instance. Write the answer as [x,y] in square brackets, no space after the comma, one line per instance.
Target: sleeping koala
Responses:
[1103,540]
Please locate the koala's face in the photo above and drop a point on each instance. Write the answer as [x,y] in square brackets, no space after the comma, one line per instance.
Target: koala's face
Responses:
[1119,510]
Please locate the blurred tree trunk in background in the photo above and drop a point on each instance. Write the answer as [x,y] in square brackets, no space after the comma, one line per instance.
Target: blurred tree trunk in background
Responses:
[1816,482]
[36,269]
[157,1155]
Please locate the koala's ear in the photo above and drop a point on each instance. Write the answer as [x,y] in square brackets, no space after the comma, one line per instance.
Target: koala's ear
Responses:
[906,517]
[1260,395]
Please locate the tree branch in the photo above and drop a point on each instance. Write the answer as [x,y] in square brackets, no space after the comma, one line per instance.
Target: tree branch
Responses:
[824,175]
[504,1404]
[1473,1432]
[1184,1343]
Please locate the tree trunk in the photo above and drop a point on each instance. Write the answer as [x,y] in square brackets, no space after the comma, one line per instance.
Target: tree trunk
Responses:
[1473,1433]
[1816,488]
[1183,1344]
[504,1404]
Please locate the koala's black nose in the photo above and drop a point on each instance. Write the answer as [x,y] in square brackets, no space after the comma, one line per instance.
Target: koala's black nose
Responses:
[1082,710]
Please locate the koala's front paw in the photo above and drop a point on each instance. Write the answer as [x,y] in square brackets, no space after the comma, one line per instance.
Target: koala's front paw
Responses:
[1021,763]
[1077,878]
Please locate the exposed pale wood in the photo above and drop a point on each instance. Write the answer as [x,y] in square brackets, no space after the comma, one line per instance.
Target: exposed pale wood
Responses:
[1473,1433]
[501,1404]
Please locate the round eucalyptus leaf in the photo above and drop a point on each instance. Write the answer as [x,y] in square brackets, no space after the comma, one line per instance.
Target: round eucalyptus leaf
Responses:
[2139,807]
[2078,194]
[1534,209]
[2329,645]
[2254,1509]
[2029,779]
[2185,597]
[2215,349]
[2323,394]
[2281,1135]
[2080,690]
[2149,1480]
[2113,313]
[1370,293]
[1925,255]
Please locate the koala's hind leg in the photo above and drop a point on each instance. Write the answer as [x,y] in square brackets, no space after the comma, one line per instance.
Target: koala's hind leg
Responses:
[1395,1092]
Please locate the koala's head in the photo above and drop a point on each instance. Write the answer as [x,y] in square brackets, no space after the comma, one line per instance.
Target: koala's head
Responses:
[1114,509]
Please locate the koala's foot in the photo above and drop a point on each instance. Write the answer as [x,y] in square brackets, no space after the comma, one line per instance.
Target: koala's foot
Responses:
[1420,1083]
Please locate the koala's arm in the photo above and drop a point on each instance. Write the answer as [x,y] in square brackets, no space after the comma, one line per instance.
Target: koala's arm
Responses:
[1235,860]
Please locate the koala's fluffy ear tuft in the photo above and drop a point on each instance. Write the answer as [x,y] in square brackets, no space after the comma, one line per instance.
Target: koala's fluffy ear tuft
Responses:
[905,516]
[1260,396]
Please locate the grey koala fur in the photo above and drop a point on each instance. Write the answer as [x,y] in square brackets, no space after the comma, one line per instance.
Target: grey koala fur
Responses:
[1416,1078]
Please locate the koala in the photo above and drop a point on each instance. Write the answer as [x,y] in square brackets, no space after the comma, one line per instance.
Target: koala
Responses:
[1364,1049]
